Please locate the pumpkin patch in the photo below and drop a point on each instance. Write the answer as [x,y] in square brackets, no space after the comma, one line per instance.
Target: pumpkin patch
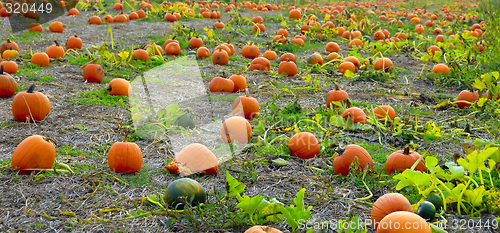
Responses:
[285,115]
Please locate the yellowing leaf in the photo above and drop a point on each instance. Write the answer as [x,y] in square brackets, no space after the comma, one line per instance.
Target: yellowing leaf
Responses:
[327,17]
[481,101]
[349,73]
[442,105]
[479,85]
[123,55]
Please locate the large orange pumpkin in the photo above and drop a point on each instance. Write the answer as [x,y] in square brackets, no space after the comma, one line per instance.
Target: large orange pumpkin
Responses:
[388,203]
[30,105]
[246,106]
[125,157]
[304,145]
[384,110]
[287,67]
[55,51]
[345,157]
[195,158]
[403,159]
[403,222]
[34,152]
[468,96]
[236,129]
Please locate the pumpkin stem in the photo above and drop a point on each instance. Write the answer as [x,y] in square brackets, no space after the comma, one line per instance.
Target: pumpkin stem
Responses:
[50,140]
[239,72]
[336,87]
[57,43]
[8,40]
[406,151]
[31,88]
[125,138]
[108,88]
[1,69]
[247,93]
[251,43]
[229,41]
[340,151]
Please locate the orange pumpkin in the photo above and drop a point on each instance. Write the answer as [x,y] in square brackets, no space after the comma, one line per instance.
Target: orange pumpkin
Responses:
[119,87]
[35,27]
[195,42]
[9,67]
[260,63]
[8,85]
[220,57]
[287,67]
[203,52]
[108,19]
[262,229]
[386,204]
[236,129]
[195,158]
[30,105]
[219,84]
[468,96]
[74,42]
[336,95]
[315,58]
[34,152]
[93,73]
[440,68]
[246,106]
[270,55]
[172,48]
[57,27]
[250,51]
[240,82]
[304,145]
[383,64]
[41,59]
[55,51]
[8,44]
[95,20]
[288,57]
[295,14]
[408,222]
[356,114]
[345,157]
[125,157]
[354,61]
[141,54]
[384,110]
[347,65]
[401,160]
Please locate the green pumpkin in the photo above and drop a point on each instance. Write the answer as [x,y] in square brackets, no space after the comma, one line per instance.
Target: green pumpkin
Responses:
[436,200]
[192,54]
[184,187]
[185,121]
[426,210]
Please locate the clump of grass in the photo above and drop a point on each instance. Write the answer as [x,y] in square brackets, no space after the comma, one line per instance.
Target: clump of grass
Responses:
[100,97]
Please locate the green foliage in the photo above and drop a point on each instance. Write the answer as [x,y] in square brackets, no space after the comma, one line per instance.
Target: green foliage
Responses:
[100,97]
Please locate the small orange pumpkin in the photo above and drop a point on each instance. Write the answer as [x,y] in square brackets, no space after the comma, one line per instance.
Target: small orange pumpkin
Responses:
[195,42]
[55,51]
[250,51]
[95,20]
[270,55]
[172,48]
[236,129]
[345,157]
[468,96]
[287,67]
[240,82]
[262,229]
[220,57]
[125,157]
[9,67]
[386,204]
[195,158]
[383,64]
[41,59]
[336,95]
[203,52]
[74,42]
[93,73]
[120,87]
[304,145]
[401,160]
[57,27]
[8,85]
[260,63]
[30,105]
[288,57]
[315,58]
[356,114]
[141,54]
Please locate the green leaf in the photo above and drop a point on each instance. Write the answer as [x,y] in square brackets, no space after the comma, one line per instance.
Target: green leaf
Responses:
[475,197]
[270,207]
[412,178]
[455,193]
[233,186]
[431,162]
[294,213]
[139,213]
[476,160]
[250,204]
[337,121]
